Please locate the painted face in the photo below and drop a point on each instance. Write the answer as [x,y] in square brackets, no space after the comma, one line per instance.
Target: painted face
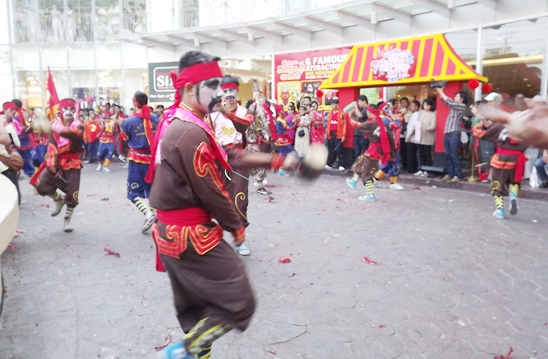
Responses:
[68,113]
[209,95]
[230,95]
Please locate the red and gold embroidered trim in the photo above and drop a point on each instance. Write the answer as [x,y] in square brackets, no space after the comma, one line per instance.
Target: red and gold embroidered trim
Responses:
[502,165]
[51,155]
[203,239]
[204,164]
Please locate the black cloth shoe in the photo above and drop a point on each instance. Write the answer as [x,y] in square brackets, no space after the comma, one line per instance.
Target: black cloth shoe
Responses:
[263,191]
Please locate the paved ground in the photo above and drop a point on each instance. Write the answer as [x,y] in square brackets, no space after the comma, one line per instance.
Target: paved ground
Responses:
[452,282]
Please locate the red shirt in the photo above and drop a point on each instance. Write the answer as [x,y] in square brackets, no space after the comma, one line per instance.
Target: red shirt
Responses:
[92,131]
[333,126]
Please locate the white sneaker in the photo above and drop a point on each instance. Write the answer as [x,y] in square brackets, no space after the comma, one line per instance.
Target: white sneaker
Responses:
[341,168]
[126,165]
[122,158]
[99,167]
[327,167]
[243,250]
[104,169]
[396,187]
[424,174]
[149,221]
[419,173]
[265,182]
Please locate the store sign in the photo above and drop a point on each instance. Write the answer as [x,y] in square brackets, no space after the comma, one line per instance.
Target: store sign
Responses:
[393,65]
[301,74]
[160,86]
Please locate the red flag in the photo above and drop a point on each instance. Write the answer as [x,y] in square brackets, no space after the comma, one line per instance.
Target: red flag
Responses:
[53,97]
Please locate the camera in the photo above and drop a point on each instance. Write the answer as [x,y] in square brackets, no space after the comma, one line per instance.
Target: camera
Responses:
[437,84]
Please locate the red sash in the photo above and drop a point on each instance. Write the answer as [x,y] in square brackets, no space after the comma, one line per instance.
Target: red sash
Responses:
[190,216]
[520,162]
[184,216]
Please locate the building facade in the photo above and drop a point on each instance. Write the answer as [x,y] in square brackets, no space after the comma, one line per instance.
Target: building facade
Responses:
[100,49]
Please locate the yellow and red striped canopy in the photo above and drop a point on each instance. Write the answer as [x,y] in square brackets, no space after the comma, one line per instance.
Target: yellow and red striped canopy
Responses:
[433,59]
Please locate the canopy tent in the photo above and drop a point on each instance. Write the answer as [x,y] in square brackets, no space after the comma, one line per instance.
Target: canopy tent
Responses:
[410,61]
[401,62]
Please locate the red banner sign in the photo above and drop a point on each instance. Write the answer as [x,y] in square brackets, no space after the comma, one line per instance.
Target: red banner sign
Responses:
[300,74]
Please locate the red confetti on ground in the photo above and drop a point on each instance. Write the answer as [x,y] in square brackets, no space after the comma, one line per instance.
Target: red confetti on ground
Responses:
[507,356]
[44,205]
[364,207]
[166,342]
[544,323]
[330,271]
[272,351]
[110,252]
[417,188]
[12,246]
[78,256]
[104,199]
[382,326]
[284,260]
[270,199]
[273,185]
[273,245]
[370,261]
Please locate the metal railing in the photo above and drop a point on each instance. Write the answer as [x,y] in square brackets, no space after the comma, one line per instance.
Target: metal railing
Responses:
[189,17]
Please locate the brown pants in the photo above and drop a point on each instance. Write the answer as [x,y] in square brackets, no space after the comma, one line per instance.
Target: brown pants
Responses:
[212,291]
[501,180]
[365,167]
[48,184]
[237,185]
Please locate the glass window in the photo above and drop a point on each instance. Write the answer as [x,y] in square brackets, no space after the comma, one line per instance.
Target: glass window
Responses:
[465,44]
[79,22]
[55,57]
[134,80]
[110,84]
[82,75]
[27,72]
[134,16]
[6,89]
[189,13]
[512,58]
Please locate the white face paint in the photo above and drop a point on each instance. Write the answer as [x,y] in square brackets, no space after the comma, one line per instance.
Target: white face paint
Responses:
[209,95]
[68,113]
[230,95]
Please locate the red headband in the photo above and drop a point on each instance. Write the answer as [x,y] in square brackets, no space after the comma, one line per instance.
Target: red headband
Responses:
[9,106]
[230,85]
[192,75]
[67,103]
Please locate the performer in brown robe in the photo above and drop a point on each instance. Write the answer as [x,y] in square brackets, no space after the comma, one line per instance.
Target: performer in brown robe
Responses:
[61,170]
[382,148]
[507,165]
[211,290]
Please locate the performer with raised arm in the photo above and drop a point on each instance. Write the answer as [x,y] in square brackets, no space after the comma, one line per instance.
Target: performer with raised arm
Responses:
[61,170]
[138,130]
[211,290]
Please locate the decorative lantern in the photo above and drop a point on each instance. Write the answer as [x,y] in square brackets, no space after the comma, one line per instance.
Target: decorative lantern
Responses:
[473,84]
